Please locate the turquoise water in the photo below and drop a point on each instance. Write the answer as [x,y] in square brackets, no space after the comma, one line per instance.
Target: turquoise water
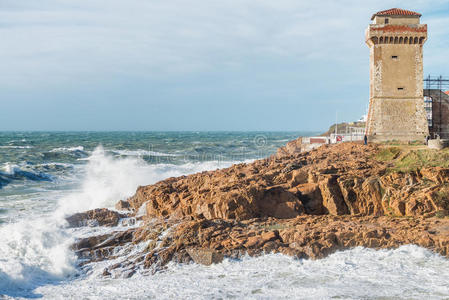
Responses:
[174,147]
[33,163]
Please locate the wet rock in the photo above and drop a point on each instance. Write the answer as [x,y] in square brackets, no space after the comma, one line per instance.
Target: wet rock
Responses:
[122,205]
[90,242]
[116,239]
[128,273]
[95,217]
[205,256]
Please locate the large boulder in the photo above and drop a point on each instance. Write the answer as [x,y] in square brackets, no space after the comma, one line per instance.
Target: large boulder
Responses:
[205,256]
[95,217]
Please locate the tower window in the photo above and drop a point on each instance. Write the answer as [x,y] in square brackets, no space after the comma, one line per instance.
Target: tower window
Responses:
[400,88]
[387,21]
[394,57]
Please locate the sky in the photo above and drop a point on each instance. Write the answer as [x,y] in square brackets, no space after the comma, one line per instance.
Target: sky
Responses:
[194,64]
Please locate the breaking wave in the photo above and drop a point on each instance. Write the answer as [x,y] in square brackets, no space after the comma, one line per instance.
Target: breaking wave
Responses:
[109,179]
[36,252]
[68,149]
[140,152]
[11,172]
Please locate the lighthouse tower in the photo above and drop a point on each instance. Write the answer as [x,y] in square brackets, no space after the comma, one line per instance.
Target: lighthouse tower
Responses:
[396,107]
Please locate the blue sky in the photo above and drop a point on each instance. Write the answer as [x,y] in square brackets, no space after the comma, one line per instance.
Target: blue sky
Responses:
[193,64]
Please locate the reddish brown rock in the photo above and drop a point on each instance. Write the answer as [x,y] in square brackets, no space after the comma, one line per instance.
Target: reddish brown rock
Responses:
[334,179]
[291,147]
[122,205]
[95,217]
[205,256]
[306,205]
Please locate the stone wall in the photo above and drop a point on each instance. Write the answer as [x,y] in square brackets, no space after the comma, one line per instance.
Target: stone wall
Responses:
[397,119]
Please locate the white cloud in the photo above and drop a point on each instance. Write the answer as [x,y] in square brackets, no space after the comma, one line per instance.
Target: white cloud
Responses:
[48,42]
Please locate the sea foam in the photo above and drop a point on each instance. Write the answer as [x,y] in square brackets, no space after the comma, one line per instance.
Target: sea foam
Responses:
[409,272]
[36,251]
[109,179]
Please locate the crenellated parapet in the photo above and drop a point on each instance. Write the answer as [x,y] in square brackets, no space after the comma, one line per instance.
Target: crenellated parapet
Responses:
[415,34]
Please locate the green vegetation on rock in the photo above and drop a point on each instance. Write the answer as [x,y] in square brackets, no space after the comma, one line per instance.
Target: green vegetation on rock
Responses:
[388,154]
[404,159]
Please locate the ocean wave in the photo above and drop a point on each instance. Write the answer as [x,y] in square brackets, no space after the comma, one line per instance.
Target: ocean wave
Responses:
[10,172]
[140,152]
[53,167]
[4,181]
[109,178]
[68,149]
[66,152]
[33,253]
[15,147]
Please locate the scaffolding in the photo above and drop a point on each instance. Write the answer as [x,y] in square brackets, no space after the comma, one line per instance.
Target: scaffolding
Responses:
[438,84]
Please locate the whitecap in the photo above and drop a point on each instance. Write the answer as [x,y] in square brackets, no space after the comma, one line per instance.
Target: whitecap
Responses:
[11,172]
[15,147]
[140,152]
[68,149]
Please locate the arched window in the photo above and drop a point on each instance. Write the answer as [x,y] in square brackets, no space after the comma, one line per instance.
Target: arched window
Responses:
[381,40]
[406,40]
[391,40]
[396,40]
[415,41]
[374,39]
[401,40]
[410,41]
[421,39]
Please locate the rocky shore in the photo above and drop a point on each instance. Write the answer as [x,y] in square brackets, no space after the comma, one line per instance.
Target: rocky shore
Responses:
[306,205]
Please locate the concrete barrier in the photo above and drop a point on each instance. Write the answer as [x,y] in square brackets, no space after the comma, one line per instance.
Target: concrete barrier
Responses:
[438,144]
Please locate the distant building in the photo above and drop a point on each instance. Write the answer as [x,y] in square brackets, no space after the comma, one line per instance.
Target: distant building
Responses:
[396,108]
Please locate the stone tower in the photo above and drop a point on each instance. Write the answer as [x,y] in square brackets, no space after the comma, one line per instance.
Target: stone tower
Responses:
[396,107]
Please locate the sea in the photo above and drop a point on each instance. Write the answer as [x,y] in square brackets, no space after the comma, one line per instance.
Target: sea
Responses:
[46,176]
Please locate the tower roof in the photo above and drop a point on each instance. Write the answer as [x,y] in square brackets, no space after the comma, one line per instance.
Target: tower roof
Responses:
[396,12]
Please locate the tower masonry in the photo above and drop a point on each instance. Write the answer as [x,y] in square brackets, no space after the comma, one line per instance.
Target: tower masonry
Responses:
[396,107]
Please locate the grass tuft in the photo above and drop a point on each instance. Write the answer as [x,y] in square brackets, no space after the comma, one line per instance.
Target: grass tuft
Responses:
[411,160]
[388,154]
